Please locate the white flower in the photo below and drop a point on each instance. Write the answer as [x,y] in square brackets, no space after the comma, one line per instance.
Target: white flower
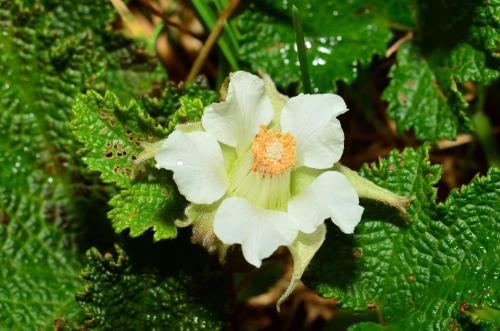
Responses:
[267,166]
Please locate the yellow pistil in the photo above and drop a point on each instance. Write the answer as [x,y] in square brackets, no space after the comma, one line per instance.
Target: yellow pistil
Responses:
[273,152]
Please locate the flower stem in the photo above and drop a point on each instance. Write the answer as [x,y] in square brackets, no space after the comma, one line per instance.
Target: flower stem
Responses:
[301,50]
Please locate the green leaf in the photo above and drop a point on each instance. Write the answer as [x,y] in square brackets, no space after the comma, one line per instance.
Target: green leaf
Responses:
[485,30]
[179,104]
[121,295]
[422,99]
[50,50]
[146,205]
[340,36]
[113,135]
[366,326]
[128,83]
[38,259]
[452,46]
[417,276]
[400,15]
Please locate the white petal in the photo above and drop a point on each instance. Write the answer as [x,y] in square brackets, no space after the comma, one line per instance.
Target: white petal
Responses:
[259,231]
[329,195]
[311,119]
[198,166]
[235,121]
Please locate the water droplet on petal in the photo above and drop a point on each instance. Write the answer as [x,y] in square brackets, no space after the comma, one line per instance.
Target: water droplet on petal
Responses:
[180,162]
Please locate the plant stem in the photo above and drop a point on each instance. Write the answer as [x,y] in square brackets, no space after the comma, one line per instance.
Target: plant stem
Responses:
[209,18]
[301,50]
[484,131]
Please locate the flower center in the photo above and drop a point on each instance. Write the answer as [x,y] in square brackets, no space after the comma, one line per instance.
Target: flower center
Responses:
[273,152]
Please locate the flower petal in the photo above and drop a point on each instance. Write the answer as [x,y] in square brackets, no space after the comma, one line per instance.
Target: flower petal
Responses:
[329,195]
[311,119]
[198,166]
[259,231]
[235,121]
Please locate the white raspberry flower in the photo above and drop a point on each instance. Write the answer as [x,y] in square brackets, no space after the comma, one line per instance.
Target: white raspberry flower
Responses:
[267,167]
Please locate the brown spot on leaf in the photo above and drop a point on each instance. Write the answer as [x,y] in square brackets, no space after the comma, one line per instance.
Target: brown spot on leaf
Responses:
[411,278]
[357,253]
[4,218]
[463,307]
[403,99]
[274,46]
[453,325]
[59,323]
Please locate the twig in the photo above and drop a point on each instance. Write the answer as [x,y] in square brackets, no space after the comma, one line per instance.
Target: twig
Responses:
[155,11]
[394,47]
[127,17]
[212,38]
[461,139]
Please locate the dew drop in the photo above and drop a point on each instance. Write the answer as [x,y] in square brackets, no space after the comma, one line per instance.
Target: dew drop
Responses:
[50,179]
[180,162]
[339,38]
[335,13]
[324,50]
[318,61]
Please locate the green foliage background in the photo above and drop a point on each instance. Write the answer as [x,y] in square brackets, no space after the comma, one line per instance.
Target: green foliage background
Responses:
[75,111]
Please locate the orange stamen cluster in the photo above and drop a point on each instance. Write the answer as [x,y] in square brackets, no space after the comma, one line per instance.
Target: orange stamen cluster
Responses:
[273,152]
